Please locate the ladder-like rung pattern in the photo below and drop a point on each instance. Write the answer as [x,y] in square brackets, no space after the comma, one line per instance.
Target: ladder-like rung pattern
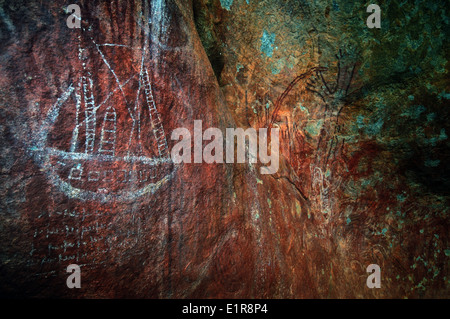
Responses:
[155,119]
[108,138]
[90,114]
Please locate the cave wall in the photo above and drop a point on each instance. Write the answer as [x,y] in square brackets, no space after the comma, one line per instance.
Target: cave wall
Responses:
[87,115]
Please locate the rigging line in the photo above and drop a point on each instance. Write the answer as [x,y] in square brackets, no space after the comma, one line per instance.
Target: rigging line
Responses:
[114,91]
[111,69]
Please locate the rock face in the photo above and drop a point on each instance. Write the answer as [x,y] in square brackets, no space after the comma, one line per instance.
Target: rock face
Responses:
[87,176]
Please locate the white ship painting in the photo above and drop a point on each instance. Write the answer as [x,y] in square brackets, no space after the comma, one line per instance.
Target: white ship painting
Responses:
[117,148]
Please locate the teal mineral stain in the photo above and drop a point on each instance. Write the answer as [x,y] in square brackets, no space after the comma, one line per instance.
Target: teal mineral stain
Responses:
[416,70]
[275,70]
[335,6]
[278,66]
[314,128]
[433,140]
[442,135]
[226,4]
[303,109]
[418,109]
[415,111]
[447,252]
[267,42]
[291,62]
[360,121]
[444,95]
[431,117]
[384,231]
[374,128]
[432,163]
[367,182]
[348,220]
[431,88]
[414,44]
[411,97]
[401,198]
[298,209]
[370,126]
[381,105]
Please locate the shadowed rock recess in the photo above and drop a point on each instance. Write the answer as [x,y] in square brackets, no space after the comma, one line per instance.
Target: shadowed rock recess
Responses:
[87,178]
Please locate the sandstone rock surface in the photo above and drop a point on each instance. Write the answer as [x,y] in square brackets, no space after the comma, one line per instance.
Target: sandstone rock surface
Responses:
[86,174]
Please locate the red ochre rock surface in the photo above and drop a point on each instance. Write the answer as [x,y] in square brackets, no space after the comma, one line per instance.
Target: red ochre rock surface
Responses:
[86,120]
